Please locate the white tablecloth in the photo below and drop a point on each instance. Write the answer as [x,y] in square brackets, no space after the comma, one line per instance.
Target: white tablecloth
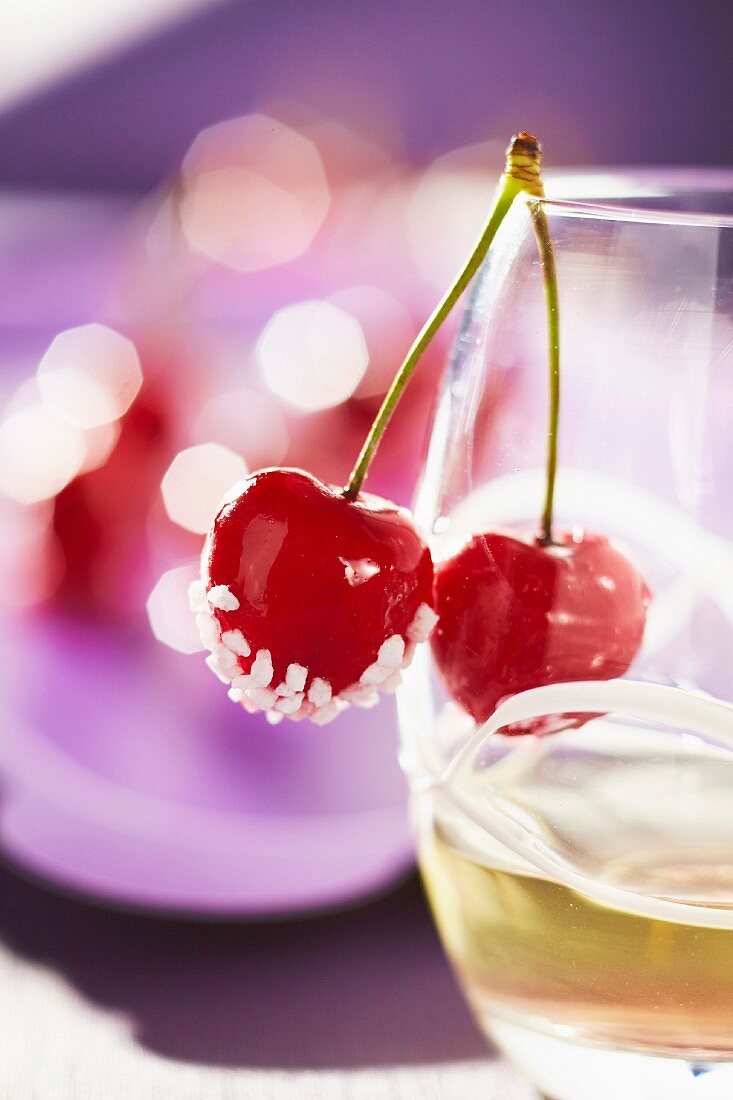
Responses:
[103,1005]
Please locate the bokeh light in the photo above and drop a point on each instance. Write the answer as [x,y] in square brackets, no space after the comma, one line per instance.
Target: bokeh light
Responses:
[99,443]
[169,613]
[197,480]
[388,329]
[312,355]
[254,193]
[449,207]
[39,454]
[90,375]
[248,421]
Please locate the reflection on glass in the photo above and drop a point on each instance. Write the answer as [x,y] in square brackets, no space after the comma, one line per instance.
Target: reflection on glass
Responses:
[582,881]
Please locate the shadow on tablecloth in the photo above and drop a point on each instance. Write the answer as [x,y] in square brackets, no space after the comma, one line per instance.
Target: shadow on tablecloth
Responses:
[369,987]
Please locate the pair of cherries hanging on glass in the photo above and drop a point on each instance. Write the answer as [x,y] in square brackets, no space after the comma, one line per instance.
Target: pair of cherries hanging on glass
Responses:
[313,598]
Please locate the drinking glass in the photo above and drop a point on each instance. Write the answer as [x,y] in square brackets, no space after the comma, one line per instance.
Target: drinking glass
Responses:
[582,881]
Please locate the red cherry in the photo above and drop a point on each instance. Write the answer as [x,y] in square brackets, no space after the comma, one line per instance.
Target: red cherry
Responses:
[311,601]
[99,519]
[516,614]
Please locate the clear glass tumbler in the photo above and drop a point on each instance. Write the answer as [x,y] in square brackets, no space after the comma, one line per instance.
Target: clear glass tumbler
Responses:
[582,881]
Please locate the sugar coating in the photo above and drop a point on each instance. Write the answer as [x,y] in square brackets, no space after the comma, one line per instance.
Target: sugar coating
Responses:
[227,661]
[289,706]
[374,674]
[319,693]
[208,630]
[197,596]
[296,676]
[243,683]
[391,652]
[222,599]
[292,698]
[323,715]
[392,682]
[262,670]
[214,666]
[236,641]
[301,713]
[361,695]
[423,624]
[262,697]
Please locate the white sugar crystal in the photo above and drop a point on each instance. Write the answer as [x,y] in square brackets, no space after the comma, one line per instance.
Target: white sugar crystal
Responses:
[348,693]
[222,599]
[299,714]
[262,670]
[366,702]
[392,682]
[391,652]
[361,695]
[273,717]
[289,706]
[235,695]
[326,714]
[374,674]
[243,683]
[422,625]
[296,676]
[228,661]
[236,641]
[197,596]
[218,672]
[319,692]
[208,630]
[284,691]
[262,697]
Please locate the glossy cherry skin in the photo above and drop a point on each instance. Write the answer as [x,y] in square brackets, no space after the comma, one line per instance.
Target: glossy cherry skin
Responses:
[516,614]
[321,581]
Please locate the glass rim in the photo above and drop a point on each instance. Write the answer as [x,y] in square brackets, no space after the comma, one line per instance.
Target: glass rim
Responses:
[606,188]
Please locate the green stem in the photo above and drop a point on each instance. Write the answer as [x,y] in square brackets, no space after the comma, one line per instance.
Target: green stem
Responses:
[549,272]
[520,175]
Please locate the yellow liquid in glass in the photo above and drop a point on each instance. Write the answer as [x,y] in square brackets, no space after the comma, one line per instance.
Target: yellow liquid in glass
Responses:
[533,951]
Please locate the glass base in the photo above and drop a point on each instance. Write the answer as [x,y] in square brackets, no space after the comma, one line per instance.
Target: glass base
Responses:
[565,1069]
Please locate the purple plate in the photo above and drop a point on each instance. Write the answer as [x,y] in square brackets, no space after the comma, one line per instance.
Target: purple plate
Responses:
[128,775]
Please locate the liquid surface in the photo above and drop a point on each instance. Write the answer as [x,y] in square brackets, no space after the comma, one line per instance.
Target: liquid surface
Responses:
[530,949]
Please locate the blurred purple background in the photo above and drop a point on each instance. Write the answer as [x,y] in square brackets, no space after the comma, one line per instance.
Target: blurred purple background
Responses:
[362,149]
[606,83]
[126,773]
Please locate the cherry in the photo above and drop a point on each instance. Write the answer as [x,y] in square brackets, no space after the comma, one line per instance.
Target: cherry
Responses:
[312,598]
[309,600]
[516,613]
[99,519]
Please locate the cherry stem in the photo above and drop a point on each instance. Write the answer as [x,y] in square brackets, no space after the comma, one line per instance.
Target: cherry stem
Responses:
[549,272]
[521,174]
